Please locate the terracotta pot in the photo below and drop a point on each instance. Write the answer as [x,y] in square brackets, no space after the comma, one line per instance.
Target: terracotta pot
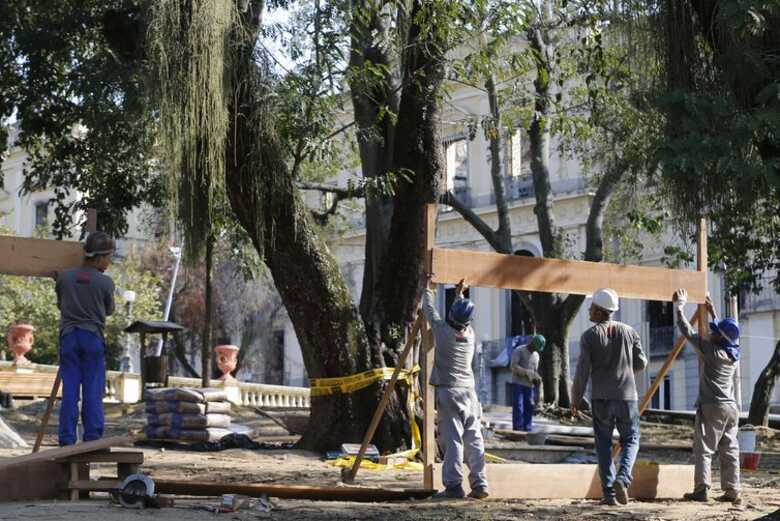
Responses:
[227,358]
[20,341]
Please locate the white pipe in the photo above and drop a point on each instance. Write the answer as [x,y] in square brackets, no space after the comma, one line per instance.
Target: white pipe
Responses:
[177,255]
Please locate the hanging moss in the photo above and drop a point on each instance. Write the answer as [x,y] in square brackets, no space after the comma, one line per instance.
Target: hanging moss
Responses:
[190,47]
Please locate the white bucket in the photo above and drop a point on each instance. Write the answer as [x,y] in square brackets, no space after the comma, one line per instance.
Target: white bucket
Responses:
[746,437]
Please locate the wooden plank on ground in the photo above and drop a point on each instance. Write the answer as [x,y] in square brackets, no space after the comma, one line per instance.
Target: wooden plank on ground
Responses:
[64,452]
[38,257]
[94,485]
[572,481]
[495,270]
[363,494]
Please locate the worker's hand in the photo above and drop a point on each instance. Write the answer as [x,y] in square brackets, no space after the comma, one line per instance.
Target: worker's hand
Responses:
[680,297]
[537,379]
[429,280]
[460,288]
[574,412]
[710,305]
[54,275]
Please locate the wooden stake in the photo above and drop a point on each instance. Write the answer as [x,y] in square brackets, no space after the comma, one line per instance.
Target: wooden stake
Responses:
[349,476]
[429,411]
[49,406]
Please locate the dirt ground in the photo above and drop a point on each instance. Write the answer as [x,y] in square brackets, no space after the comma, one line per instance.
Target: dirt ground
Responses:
[287,466]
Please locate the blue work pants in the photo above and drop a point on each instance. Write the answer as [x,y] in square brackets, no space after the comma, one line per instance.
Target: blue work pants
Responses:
[608,414]
[83,370]
[523,407]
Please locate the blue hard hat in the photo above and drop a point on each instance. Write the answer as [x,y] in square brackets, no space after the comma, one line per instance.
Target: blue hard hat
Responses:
[728,329]
[462,312]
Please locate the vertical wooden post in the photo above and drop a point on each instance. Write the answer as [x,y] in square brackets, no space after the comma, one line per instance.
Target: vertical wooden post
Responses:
[701,265]
[732,311]
[426,357]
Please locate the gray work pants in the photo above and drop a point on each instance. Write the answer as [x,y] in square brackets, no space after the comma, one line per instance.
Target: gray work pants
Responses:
[716,430]
[460,434]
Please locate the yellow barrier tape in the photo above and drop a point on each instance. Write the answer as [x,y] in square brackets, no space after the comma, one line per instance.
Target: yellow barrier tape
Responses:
[348,461]
[355,382]
[495,459]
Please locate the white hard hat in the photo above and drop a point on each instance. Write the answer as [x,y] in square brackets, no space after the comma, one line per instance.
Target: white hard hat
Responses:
[606,298]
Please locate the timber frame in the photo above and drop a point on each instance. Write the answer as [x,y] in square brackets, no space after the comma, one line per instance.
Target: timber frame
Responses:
[495,270]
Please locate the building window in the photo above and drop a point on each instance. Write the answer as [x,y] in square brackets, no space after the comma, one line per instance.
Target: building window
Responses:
[662,398]
[41,214]
[660,318]
[456,155]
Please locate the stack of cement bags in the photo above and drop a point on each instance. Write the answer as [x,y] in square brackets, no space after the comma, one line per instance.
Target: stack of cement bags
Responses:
[187,414]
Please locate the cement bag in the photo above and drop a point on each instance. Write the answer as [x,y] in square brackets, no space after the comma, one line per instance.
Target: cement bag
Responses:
[175,433]
[185,394]
[160,407]
[189,421]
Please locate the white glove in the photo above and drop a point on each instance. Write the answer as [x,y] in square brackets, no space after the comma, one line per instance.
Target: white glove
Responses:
[680,298]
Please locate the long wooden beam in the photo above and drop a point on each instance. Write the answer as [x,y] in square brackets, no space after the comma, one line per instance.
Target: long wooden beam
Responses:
[495,270]
[577,481]
[38,257]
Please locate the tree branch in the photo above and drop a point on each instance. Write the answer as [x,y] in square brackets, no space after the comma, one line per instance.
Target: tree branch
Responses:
[341,193]
[472,218]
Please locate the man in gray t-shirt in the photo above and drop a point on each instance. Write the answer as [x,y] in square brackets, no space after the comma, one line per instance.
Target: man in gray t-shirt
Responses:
[524,365]
[717,417]
[458,408]
[85,297]
[610,353]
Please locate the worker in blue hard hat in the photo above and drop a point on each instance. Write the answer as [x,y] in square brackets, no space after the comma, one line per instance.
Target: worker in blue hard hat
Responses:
[717,416]
[525,377]
[458,408]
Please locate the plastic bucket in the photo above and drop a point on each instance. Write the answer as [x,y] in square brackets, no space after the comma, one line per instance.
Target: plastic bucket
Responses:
[749,460]
[747,440]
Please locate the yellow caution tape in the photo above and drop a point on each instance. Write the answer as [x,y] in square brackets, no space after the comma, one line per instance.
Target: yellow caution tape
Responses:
[355,382]
[348,461]
[495,459]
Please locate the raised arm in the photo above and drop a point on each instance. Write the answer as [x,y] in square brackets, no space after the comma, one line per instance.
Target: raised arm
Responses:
[679,298]
[428,309]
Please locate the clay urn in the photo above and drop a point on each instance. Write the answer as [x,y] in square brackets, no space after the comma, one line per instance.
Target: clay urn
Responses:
[20,340]
[227,358]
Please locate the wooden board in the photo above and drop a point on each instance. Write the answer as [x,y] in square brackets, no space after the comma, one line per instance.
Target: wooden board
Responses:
[201,488]
[107,456]
[572,481]
[38,257]
[63,452]
[35,481]
[495,270]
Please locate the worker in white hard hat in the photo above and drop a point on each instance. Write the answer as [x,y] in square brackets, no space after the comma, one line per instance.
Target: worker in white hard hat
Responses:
[610,353]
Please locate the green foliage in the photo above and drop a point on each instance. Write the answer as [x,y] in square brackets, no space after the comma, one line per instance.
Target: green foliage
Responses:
[84,116]
[33,300]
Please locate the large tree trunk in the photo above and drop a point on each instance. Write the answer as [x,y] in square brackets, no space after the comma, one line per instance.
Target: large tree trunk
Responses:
[762,392]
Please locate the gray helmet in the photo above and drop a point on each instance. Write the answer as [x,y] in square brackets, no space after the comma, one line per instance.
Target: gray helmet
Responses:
[97,244]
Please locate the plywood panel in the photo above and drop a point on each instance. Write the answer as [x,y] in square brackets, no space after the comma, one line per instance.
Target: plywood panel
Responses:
[572,481]
[64,452]
[38,257]
[34,481]
[495,270]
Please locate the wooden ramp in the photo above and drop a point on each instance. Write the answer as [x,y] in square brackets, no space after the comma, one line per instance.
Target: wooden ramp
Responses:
[572,481]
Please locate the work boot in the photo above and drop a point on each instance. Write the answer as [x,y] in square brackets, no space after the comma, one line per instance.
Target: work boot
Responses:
[478,493]
[621,492]
[700,494]
[731,496]
[609,501]
[455,492]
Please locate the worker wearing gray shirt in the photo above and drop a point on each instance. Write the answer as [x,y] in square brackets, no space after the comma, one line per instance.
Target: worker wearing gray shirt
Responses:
[717,417]
[458,409]
[611,352]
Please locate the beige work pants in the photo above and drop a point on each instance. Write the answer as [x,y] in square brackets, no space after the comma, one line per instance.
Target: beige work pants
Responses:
[716,430]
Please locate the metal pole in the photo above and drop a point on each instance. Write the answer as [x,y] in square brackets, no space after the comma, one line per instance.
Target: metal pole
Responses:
[176,251]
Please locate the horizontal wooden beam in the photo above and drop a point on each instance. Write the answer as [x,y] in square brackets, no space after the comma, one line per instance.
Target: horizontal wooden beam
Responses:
[575,481]
[327,493]
[495,270]
[65,452]
[38,257]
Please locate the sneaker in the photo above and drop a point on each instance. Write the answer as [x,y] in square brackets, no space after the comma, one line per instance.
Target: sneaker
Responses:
[731,496]
[456,492]
[609,501]
[621,492]
[699,494]
[478,493]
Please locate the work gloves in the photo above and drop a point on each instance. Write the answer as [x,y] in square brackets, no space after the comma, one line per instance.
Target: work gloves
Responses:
[680,298]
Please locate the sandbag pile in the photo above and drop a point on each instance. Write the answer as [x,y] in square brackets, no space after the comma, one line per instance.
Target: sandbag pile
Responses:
[187,414]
